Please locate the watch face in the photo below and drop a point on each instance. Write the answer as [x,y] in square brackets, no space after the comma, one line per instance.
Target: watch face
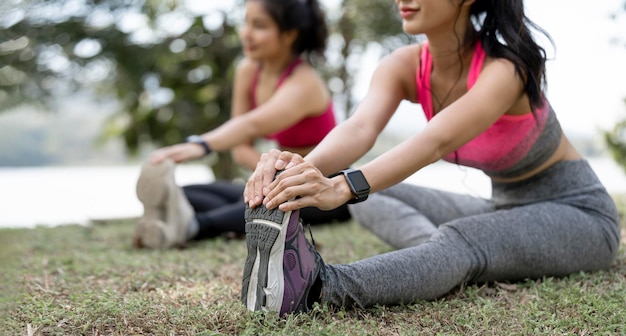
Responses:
[358,181]
[194,139]
[197,139]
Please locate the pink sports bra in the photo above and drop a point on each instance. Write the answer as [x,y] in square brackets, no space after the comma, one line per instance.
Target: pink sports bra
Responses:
[513,145]
[307,132]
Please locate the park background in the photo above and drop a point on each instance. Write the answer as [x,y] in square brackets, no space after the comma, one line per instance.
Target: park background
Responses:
[68,122]
[56,167]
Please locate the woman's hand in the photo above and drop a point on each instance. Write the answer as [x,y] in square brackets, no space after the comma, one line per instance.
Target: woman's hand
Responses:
[300,184]
[263,175]
[178,153]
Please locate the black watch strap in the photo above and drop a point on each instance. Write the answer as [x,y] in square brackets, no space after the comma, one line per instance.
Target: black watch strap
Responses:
[357,183]
[200,141]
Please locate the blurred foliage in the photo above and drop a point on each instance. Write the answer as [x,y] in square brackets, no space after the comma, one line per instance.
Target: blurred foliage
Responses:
[170,68]
[616,141]
[358,24]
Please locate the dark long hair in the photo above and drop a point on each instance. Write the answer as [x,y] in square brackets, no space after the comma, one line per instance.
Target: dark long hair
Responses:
[306,17]
[505,32]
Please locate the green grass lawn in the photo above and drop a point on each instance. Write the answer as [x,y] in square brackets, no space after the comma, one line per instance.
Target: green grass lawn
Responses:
[75,280]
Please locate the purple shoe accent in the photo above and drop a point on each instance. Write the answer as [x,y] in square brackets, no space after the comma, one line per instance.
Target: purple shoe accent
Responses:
[301,267]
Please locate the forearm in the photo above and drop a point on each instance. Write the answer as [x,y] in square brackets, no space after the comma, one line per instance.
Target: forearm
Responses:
[400,162]
[234,132]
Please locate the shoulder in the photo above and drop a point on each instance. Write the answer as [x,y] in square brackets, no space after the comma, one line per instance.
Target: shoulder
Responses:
[306,85]
[408,54]
[493,63]
[305,70]
[398,70]
[498,67]
[306,76]
[501,86]
[245,73]
[402,62]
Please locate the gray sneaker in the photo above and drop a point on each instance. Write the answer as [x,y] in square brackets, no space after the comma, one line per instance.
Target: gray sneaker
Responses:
[282,266]
[167,212]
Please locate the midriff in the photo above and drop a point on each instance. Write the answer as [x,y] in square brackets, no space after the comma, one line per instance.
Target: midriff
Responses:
[564,152]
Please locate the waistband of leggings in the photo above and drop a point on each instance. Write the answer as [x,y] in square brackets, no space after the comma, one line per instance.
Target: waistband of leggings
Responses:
[564,178]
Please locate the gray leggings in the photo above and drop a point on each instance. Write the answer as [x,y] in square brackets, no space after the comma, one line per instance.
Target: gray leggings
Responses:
[557,223]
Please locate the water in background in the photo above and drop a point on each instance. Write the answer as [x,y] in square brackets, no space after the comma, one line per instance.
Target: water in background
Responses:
[52,196]
[76,195]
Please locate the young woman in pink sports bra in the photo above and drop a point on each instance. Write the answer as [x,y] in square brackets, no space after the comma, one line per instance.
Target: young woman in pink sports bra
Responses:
[277,95]
[479,78]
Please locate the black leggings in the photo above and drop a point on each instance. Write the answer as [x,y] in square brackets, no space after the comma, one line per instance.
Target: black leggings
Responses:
[219,208]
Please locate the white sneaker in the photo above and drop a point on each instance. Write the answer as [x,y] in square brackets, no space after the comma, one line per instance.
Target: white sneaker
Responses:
[167,212]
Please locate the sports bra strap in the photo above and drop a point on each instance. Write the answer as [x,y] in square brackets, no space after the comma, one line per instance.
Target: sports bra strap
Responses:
[424,92]
[289,70]
[477,64]
[282,78]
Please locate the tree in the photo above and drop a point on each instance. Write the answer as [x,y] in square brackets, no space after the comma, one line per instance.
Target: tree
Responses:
[170,67]
[360,23]
[616,142]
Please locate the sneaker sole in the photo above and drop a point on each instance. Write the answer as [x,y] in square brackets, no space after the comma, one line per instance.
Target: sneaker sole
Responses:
[150,189]
[149,234]
[265,237]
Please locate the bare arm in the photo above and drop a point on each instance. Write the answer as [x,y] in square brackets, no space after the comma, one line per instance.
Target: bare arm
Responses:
[350,140]
[298,97]
[244,154]
[497,89]
[302,94]
[495,92]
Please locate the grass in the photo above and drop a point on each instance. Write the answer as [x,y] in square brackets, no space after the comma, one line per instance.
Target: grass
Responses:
[76,280]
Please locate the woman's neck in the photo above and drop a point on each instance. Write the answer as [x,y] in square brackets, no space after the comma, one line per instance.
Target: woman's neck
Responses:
[445,58]
[446,45]
[277,65]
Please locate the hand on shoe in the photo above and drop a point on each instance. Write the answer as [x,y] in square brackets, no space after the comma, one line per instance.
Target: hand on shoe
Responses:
[300,184]
[178,153]
[264,173]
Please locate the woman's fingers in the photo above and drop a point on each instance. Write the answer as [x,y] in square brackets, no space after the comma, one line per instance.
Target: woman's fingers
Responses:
[301,186]
[254,187]
[263,180]
[157,156]
[178,153]
[262,176]
[248,191]
[287,160]
[269,171]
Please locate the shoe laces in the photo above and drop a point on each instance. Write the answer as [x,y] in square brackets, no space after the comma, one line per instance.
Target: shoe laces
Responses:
[311,234]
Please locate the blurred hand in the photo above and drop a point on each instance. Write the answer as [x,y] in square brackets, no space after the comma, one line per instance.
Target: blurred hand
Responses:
[178,153]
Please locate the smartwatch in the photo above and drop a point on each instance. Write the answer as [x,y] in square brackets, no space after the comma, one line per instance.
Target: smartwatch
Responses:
[357,182]
[200,141]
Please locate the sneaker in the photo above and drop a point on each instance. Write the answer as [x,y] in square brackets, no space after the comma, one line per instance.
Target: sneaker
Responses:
[167,212]
[282,266]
